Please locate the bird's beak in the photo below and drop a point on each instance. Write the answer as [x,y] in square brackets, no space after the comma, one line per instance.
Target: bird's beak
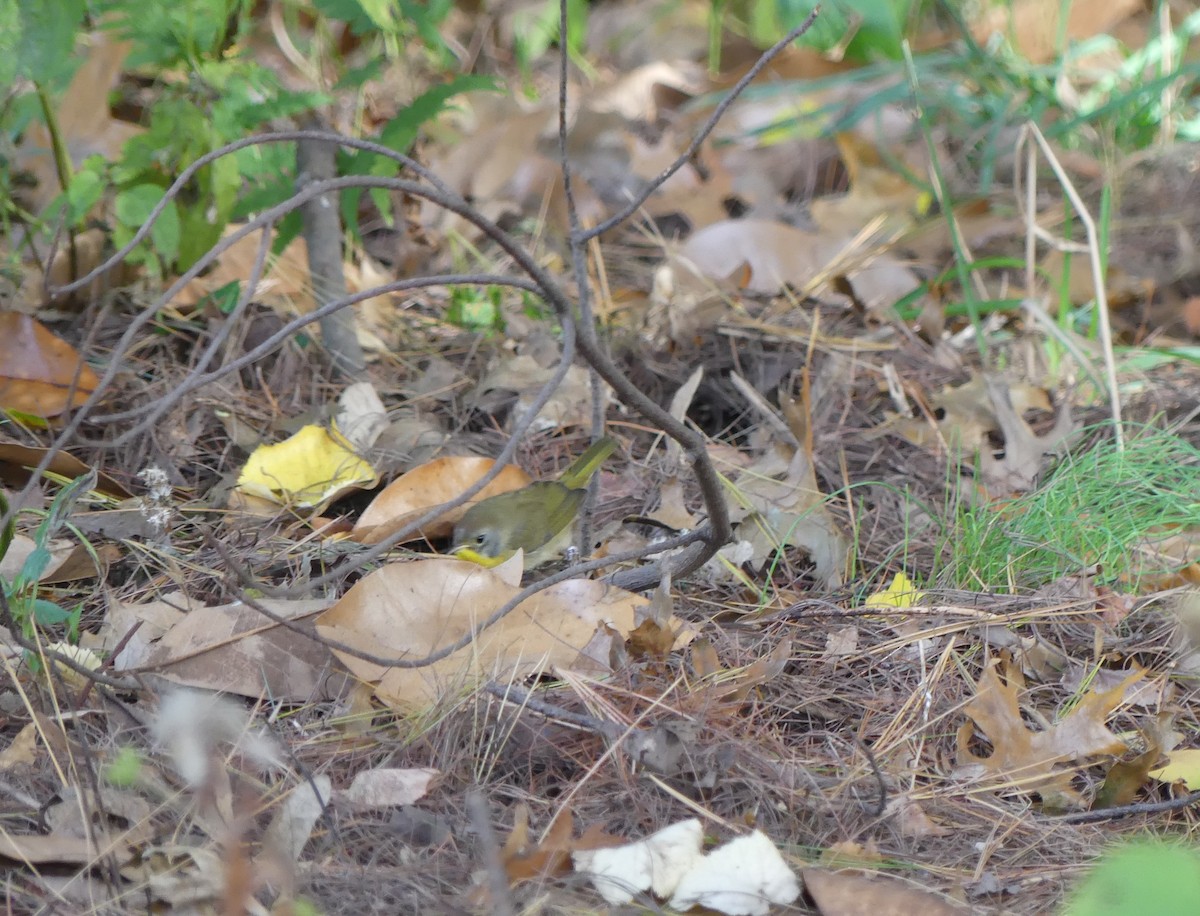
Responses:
[474,556]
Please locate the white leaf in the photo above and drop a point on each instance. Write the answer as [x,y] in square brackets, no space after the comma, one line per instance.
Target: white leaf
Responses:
[742,878]
[655,863]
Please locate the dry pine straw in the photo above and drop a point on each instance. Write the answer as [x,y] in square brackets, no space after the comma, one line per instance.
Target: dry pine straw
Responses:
[787,757]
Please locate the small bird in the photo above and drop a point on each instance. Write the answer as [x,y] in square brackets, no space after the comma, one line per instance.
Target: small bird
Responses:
[539,518]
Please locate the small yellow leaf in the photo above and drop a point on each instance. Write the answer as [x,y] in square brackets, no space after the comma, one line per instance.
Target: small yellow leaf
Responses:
[900,593]
[307,470]
[1183,766]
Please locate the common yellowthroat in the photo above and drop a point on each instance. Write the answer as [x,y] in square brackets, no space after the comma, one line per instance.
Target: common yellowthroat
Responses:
[538,518]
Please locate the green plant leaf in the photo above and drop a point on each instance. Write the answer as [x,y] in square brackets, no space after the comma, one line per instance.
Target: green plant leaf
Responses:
[10,41]
[400,132]
[48,614]
[42,40]
[226,181]
[123,770]
[167,232]
[363,16]
[1144,877]
[61,506]
[198,233]
[31,570]
[9,527]
[225,298]
[355,77]
[875,28]
[133,207]
[87,187]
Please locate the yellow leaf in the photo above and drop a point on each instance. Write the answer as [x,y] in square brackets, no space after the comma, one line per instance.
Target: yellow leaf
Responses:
[1183,766]
[309,469]
[900,593]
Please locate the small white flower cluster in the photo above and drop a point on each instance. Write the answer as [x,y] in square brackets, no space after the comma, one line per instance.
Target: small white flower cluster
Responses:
[156,503]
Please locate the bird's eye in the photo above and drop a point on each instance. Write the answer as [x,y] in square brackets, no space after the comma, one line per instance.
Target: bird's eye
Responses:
[480,538]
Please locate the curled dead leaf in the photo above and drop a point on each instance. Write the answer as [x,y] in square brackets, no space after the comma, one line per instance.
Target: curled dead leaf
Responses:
[40,374]
[411,610]
[438,481]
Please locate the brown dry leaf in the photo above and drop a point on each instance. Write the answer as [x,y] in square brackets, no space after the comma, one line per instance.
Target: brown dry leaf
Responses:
[1126,778]
[51,850]
[525,860]
[284,283]
[775,255]
[386,786]
[718,682]
[976,223]
[668,748]
[502,167]
[410,610]
[855,893]
[1033,26]
[876,190]
[1035,761]
[968,415]
[21,547]
[80,564]
[67,266]
[1150,694]
[22,751]
[780,504]
[1190,310]
[877,280]
[126,815]
[180,878]
[140,626]
[912,820]
[759,672]
[989,405]
[1023,449]
[705,662]
[85,123]
[839,644]
[1177,551]
[699,198]
[672,507]
[429,485]
[1121,286]
[235,649]
[40,374]
[485,164]
[851,854]
[570,405]
[651,640]
[361,417]
[16,461]
[293,821]
[639,94]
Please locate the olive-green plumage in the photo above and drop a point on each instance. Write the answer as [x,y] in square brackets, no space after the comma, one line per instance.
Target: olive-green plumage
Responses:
[538,518]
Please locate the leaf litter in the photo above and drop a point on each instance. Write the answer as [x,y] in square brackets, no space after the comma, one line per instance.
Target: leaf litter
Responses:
[780,724]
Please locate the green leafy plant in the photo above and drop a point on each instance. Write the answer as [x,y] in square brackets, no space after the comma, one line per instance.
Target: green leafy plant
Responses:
[862,30]
[29,610]
[1123,108]
[475,309]
[207,91]
[536,28]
